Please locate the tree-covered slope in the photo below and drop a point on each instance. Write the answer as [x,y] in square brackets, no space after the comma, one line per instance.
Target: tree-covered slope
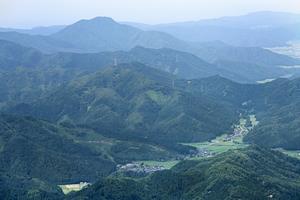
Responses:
[251,173]
[134,101]
[27,188]
[276,105]
[36,156]
[279,124]
[40,150]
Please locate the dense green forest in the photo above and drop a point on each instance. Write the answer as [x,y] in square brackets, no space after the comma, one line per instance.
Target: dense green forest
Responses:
[135,101]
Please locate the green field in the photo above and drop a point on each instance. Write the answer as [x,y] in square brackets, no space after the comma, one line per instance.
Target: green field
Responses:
[220,145]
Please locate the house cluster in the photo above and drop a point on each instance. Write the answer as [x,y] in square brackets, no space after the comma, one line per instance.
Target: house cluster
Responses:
[201,153]
[139,168]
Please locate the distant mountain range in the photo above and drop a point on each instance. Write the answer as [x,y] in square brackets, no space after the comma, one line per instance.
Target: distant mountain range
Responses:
[237,63]
[42,30]
[243,64]
[253,29]
[95,35]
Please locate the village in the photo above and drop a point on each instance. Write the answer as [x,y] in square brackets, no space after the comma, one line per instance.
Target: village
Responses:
[204,150]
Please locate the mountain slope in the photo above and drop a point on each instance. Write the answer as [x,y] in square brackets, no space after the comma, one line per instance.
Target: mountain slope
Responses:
[252,173]
[276,105]
[33,148]
[279,124]
[13,55]
[134,101]
[36,156]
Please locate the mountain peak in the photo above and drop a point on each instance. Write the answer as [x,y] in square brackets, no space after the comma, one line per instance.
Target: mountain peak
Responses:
[102,19]
[97,20]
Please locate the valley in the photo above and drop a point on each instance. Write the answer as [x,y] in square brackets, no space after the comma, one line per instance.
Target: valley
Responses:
[216,146]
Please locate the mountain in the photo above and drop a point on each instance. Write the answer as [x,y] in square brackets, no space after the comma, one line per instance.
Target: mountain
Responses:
[252,29]
[236,63]
[95,35]
[134,101]
[41,30]
[104,34]
[183,64]
[252,173]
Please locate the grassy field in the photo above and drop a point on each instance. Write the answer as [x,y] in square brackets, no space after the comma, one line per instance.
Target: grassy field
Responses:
[220,144]
[226,142]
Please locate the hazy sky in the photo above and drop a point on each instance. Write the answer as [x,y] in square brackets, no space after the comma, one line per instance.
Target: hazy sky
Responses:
[29,13]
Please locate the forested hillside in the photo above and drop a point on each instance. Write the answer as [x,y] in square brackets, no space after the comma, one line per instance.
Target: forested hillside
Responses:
[252,173]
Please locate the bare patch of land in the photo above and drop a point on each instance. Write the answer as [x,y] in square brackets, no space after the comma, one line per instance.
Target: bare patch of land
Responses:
[73,187]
